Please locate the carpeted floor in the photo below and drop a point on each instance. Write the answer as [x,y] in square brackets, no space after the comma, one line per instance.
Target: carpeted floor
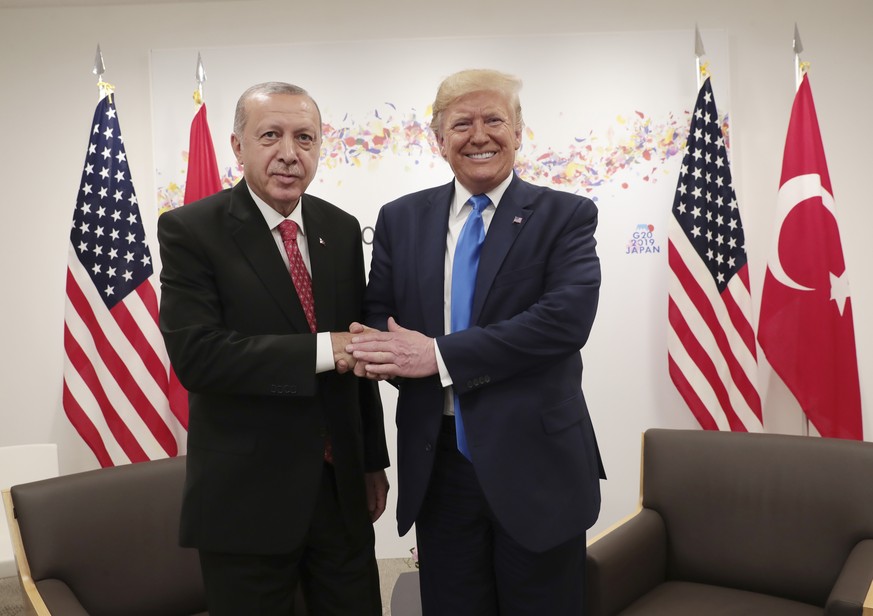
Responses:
[11,603]
[10,597]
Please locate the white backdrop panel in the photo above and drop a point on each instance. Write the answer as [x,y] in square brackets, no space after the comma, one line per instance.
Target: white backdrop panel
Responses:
[606,116]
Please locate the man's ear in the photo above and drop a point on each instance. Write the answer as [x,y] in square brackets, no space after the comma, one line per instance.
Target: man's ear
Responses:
[236,146]
[441,142]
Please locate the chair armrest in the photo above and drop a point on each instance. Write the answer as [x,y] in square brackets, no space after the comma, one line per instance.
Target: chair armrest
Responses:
[853,585]
[33,603]
[625,562]
[868,602]
[60,598]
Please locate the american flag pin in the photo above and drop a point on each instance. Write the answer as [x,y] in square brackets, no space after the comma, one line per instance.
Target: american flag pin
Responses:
[321,241]
[517,220]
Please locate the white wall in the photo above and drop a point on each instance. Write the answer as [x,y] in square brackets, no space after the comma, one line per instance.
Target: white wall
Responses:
[48,98]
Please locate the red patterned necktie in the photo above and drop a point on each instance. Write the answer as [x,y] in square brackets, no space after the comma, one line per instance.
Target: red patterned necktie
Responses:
[303,285]
[299,274]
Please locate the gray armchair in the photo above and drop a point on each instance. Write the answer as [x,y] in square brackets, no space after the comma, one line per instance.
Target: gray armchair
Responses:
[106,543]
[741,524]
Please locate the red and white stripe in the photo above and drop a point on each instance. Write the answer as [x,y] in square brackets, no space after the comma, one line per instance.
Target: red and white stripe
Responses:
[116,378]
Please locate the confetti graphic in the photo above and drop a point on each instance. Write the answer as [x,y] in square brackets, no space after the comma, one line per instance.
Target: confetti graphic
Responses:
[635,148]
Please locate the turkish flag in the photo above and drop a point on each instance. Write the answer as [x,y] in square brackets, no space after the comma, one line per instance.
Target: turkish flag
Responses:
[805,327]
[202,179]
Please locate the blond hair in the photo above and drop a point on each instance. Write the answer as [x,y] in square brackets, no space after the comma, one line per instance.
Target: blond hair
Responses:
[476,80]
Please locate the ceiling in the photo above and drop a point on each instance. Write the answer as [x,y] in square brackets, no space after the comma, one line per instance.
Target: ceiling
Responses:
[23,4]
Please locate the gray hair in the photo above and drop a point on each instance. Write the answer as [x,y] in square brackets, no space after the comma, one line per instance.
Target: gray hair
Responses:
[476,80]
[268,88]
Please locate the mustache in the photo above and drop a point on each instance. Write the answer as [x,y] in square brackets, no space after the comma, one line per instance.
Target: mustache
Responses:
[294,170]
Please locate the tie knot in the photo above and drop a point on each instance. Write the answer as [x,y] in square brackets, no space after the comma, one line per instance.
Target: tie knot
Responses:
[288,230]
[479,202]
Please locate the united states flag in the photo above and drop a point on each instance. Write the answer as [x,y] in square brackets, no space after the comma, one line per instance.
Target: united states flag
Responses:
[711,342]
[116,368]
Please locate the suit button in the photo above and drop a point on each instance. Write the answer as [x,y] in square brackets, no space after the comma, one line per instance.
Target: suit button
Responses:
[486,379]
[428,446]
[471,384]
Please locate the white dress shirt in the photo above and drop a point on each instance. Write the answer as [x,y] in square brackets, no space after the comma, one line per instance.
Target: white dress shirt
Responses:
[324,347]
[458,214]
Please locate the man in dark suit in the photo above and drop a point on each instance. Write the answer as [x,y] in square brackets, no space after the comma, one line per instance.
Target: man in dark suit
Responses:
[502,492]
[286,456]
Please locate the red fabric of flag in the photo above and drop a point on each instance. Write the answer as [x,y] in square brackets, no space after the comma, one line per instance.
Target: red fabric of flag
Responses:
[805,327]
[116,378]
[202,179]
[711,343]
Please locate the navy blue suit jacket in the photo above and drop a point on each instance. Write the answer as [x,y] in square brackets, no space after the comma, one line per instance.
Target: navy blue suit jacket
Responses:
[517,369]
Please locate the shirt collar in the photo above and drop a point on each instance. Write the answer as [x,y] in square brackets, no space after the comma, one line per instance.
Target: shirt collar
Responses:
[462,195]
[274,218]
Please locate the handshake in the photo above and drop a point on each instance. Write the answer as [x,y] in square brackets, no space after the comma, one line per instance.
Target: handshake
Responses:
[378,355]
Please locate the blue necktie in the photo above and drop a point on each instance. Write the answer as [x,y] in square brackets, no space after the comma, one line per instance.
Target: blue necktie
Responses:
[464,267]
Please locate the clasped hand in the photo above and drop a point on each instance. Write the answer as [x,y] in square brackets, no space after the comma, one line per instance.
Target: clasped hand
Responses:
[380,355]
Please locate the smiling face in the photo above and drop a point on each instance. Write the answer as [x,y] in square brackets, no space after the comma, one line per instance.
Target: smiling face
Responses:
[279,147]
[478,136]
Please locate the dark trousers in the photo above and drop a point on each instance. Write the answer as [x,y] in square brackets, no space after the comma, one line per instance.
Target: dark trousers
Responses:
[336,577]
[469,566]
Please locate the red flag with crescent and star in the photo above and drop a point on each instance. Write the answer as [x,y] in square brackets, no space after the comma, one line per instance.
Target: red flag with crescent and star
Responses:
[805,326]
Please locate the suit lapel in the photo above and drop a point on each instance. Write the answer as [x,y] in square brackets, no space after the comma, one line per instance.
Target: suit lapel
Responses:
[431,257]
[321,262]
[257,244]
[512,213]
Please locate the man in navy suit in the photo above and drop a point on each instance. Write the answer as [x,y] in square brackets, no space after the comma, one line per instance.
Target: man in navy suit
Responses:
[497,459]
[285,454]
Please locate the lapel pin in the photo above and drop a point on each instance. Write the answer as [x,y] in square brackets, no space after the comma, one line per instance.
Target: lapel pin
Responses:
[517,220]
[321,241]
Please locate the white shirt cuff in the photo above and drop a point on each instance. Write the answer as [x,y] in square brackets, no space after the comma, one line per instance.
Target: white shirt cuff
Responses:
[323,353]
[445,378]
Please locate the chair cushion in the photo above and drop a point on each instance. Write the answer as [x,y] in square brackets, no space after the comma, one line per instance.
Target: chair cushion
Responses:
[690,599]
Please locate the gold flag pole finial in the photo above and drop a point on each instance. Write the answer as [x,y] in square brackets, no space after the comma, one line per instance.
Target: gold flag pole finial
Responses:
[200,76]
[800,67]
[105,89]
[702,67]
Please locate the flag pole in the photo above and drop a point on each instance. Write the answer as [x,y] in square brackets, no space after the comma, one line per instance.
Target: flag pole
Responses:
[202,177]
[702,69]
[799,66]
[103,88]
[200,77]
[799,70]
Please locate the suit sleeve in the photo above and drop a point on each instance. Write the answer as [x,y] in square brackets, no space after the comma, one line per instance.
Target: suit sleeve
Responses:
[372,413]
[373,423]
[199,299]
[540,313]
[379,301]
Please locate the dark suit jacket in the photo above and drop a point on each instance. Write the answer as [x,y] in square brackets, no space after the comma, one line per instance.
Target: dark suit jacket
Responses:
[517,369]
[238,339]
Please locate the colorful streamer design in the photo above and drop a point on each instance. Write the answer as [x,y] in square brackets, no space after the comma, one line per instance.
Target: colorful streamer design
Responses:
[636,148]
